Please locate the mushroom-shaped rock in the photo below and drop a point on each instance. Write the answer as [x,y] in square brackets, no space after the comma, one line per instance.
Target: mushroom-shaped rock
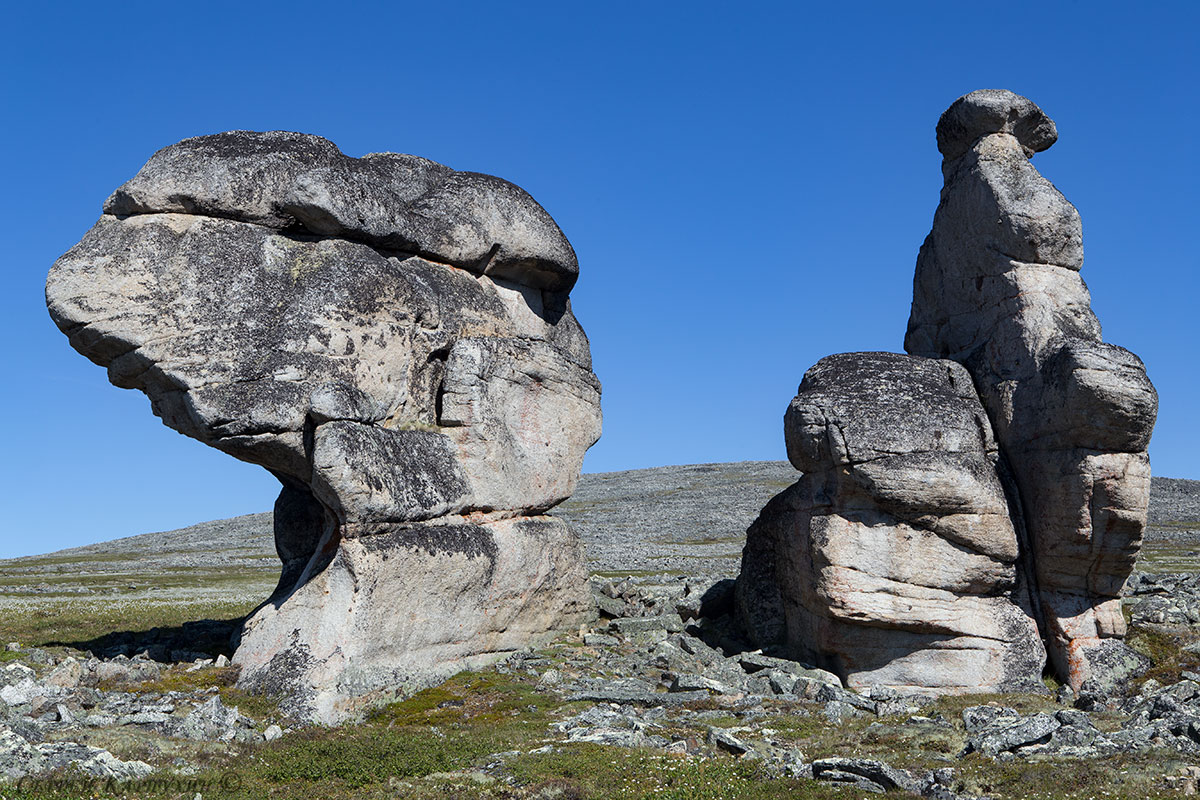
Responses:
[988,111]
[303,184]
[391,339]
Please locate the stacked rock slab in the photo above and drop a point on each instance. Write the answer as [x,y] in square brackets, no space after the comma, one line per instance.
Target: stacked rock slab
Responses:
[998,289]
[893,560]
[393,340]
[1053,488]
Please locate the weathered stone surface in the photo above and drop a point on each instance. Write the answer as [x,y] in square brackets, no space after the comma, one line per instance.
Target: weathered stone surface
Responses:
[989,111]
[406,607]
[393,340]
[998,288]
[389,200]
[894,558]
[989,491]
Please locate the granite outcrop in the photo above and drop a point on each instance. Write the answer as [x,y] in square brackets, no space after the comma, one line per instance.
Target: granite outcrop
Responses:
[999,467]
[394,341]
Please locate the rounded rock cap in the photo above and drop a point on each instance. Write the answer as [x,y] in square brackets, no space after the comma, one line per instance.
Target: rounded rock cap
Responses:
[993,111]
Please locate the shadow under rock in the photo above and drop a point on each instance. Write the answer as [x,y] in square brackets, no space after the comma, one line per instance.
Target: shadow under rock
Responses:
[716,624]
[204,638]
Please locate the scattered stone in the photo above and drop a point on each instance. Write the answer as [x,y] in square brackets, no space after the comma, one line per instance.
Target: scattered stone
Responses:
[599,640]
[601,725]
[1006,733]
[15,695]
[272,733]
[873,776]
[724,739]
[687,682]
[611,607]
[66,675]
[627,626]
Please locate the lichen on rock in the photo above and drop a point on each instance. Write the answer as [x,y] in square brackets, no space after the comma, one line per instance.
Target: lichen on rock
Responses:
[1055,483]
[394,341]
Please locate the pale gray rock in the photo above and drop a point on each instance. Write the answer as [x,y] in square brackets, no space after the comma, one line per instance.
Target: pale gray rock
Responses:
[989,111]
[726,740]
[394,342]
[859,770]
[20,758]
[1007,733]
[392,201]
[353,634]
[210,721]
[67,674]
[998,289]
[893,558]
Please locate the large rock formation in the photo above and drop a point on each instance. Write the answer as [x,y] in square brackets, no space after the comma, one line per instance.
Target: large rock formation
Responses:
[998,288]
[894,557]
[1055,504]
[393,340]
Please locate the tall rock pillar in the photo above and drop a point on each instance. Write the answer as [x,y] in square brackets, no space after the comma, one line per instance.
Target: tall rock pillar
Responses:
[998,289]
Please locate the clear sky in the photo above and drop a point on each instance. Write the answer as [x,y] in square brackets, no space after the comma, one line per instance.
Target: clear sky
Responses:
[746,185]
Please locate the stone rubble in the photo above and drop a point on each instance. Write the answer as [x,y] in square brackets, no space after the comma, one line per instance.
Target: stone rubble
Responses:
[672,685]
[43,710]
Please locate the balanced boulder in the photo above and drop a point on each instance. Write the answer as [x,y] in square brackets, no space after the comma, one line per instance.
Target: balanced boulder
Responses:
[393,340]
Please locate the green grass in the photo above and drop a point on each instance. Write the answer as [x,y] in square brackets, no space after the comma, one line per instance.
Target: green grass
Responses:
[441,743]
[596,771]
[1165,650]
[84,620]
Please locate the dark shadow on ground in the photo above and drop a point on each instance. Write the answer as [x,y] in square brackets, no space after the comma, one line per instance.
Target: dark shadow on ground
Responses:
[204,638]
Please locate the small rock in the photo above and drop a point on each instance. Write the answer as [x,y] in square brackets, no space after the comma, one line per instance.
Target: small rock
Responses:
[838,711]
[782,682]
[1006,734]
[14,696]
[630,625]
[687,682]
[723,739]
[221,661]
[976,718]
[113,672]
[600,640]
[874,773]
[611,606]
[272,733]
[66,675]
[146,718]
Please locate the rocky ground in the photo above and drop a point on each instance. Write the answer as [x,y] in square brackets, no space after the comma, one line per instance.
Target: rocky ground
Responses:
[117,674]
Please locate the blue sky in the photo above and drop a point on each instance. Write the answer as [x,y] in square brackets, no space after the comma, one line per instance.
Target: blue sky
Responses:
[746,186]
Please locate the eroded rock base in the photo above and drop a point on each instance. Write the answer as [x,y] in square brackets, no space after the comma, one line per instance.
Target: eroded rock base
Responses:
[400,608]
